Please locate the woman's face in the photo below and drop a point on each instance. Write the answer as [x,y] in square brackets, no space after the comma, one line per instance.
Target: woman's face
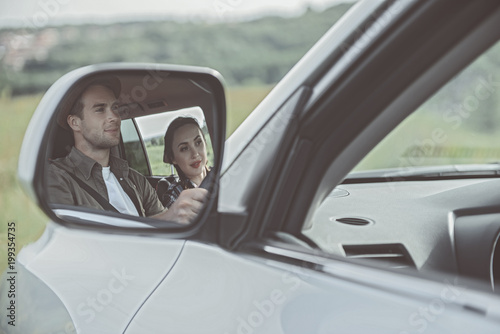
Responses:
[190,152]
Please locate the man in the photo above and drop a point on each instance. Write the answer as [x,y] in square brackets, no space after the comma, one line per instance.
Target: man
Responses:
[90,176]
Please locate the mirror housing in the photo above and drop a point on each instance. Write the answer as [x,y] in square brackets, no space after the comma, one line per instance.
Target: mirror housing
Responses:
[146,89]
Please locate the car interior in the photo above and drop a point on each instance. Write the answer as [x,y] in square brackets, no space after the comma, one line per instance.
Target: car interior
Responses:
[143,94]
[426,197]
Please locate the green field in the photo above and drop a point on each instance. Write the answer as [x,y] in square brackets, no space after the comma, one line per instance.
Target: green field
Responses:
[14,204]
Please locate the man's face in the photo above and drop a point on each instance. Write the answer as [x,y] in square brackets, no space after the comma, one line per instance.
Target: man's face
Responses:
[100,124]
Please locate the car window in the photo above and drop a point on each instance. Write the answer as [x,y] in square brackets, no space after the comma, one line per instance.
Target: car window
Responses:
[399,204]
[458,125]
[132,144]
[152,129]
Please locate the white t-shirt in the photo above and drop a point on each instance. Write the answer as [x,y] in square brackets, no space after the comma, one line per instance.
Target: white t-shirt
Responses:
[117,196]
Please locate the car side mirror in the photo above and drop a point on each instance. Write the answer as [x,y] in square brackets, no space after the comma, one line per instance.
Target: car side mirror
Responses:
[77,119]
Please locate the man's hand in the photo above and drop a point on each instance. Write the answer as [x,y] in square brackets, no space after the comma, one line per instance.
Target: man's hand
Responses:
[186,208]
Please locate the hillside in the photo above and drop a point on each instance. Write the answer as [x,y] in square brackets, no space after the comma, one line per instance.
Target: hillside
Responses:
[256,52]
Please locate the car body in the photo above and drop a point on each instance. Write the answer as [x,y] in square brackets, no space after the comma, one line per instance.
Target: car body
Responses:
[255,261]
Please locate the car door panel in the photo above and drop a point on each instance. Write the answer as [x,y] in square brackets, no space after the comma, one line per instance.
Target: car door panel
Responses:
[109,276]
[239,293]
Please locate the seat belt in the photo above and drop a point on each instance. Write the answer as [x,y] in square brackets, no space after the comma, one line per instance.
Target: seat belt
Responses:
[98,197]
[105,203]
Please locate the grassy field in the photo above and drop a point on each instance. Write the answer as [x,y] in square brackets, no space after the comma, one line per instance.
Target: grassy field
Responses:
[14,204]
[426,138]
[16,207]
[240,102]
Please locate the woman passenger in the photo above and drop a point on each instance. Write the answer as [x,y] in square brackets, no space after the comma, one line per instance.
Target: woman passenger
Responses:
[186,149]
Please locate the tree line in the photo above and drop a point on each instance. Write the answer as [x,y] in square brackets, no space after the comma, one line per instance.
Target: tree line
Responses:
[245,53]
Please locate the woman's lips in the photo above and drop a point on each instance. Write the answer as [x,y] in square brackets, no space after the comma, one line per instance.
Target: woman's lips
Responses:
[196,164]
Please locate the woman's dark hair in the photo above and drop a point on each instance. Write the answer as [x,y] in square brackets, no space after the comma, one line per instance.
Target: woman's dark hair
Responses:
[168,153]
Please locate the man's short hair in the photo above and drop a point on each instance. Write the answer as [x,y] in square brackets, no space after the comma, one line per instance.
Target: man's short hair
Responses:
[72,103]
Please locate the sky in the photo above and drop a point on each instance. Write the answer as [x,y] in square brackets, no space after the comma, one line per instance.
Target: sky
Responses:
[40,13]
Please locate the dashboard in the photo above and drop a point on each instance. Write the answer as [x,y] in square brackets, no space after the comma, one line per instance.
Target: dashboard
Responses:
[448,225]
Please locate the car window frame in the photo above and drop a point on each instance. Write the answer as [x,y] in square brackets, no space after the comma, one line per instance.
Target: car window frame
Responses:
[300,212]
[142,149]
[284,211]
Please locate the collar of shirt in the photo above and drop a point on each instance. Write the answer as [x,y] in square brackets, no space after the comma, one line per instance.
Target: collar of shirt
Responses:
[106,172]
[119,167]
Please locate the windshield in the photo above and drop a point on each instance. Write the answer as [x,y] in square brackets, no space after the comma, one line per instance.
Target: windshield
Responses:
[458,126]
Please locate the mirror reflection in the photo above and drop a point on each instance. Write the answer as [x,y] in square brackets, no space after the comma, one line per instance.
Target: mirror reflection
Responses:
[137,143]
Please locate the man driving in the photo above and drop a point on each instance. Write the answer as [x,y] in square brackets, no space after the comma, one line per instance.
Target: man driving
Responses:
[91,176]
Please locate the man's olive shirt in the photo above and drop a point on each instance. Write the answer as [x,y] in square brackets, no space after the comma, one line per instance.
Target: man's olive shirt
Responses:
[63,189]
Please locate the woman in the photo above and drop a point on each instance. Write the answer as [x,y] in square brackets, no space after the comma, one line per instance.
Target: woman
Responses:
[186,149]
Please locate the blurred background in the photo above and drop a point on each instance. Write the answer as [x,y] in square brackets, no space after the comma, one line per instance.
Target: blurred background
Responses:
[253,44]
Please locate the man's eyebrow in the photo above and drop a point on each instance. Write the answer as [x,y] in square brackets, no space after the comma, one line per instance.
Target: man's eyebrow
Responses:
[185,142]
[102,104]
